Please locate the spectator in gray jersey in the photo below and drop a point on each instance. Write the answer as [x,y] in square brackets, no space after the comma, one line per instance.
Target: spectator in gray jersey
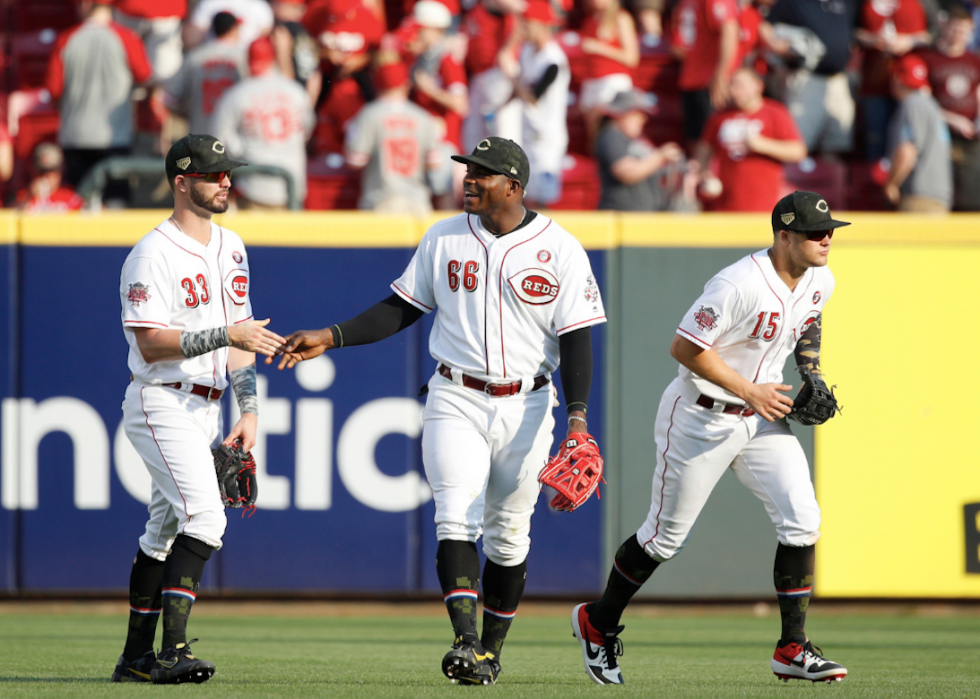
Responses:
[921,175]
[208,72]
[394,141]
[630,167]
[265,119]
[92,71]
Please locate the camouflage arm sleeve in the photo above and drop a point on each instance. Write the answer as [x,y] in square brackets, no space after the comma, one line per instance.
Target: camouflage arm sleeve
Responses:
[243,381]
[194,343]
[807,350]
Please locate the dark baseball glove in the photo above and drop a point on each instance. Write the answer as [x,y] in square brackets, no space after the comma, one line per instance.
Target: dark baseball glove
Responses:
[235,470]
[575,472]
[815,403]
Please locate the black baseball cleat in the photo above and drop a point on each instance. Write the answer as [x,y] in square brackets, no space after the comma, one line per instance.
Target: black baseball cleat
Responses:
[134,670]
[176,665]
[467,663]
[794,661]
[600,649]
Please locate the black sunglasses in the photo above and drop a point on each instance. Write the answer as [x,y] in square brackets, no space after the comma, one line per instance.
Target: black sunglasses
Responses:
[817,236]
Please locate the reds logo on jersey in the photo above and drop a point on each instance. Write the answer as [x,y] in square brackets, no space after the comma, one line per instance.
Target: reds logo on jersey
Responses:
[236,286]
[816,297]
[237,257]
[535,286]
[544,256]
[706,317]
[138,293]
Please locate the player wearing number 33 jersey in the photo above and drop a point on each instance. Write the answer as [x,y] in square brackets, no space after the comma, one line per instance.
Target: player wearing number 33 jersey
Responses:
[724,411]
[514,296]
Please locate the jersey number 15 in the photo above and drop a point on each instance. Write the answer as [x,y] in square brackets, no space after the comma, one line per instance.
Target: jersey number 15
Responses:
[768,328]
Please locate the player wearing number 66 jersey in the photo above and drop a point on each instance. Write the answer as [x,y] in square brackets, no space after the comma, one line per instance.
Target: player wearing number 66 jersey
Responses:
[187,318]
[726,410]
[514,295]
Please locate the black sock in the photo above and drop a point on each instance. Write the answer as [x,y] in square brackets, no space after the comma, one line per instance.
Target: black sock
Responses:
[144,605]
[793,576]
[458,567]
[181,580]
[631,568]
[502,590]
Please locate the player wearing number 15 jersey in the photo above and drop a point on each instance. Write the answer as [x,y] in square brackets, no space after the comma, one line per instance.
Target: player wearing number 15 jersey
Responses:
[513,295]
[726,410]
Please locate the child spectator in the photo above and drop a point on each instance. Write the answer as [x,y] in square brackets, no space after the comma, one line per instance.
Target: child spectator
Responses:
[46,193]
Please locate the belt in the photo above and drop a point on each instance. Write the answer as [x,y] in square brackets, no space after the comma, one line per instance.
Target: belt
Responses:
[728,408]
[197,390]
[493,389]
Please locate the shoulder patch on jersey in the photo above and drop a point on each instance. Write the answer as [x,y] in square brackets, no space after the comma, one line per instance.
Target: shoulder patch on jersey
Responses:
[237,257]
[706,318]
[591,291]
[816,297]
[138,293]
[236,286]
[535,286]
[543,256]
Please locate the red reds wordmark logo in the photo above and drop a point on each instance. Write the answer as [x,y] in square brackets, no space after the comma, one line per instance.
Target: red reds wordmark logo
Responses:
[544,256]
[236,286]
[239,286]
[706,317]
[816,297]
[138,293]
[535,286]
[237,257]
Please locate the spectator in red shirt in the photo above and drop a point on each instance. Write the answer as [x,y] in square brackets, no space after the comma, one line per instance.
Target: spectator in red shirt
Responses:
[92,71]
[157,22]
[706,37]
[45,193]
[888,29]
[348,33]
[954,76]
[753,140]
[6,161]
[610,42]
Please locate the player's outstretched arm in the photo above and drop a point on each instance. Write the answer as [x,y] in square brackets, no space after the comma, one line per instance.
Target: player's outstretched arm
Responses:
[252,336]
[167,345]
[807,350]
[303,344]
[766,399]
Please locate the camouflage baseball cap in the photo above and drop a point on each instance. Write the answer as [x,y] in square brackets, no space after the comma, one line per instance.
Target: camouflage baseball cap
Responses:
[500,155]
[198,154]
[802,212]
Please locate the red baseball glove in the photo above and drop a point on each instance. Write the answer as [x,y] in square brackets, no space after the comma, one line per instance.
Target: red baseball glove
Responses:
[574,472]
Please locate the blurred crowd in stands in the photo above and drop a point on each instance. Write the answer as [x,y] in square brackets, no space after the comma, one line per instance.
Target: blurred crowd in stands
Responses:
[654,105]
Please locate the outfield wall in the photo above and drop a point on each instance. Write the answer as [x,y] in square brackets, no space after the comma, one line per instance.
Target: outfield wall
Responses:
[343,504]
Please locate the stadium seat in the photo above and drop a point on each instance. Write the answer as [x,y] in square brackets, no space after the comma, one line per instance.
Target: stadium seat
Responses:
[571,44]
[658,69]
[863,193]
[32,119]
[667,122]
[581,187]
[817,175]
[29,57]
[32,15]
[331,184]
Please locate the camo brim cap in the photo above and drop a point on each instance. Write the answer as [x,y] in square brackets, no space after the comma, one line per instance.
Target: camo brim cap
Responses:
[198,154]
[803,212]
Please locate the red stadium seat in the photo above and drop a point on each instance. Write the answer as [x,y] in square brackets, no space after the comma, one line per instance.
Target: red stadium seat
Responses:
[863,192]
[33,119]
[578,141]
[331,184]
[29,57]
[32,15]
[667,122]
[829,178]
[577,60]
[581,187]
[658,69]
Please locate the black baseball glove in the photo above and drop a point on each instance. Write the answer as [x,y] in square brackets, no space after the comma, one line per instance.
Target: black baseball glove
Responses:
[815,403]
[235,470]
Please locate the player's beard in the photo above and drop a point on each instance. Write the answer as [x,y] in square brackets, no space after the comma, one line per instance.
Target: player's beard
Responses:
[210,204]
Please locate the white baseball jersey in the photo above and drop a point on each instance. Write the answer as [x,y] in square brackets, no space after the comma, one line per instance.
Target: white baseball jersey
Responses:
[170,280]
[545,130]
[752,320]
[504,301]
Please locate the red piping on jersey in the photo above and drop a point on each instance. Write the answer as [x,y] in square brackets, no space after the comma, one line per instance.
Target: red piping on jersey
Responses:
[663,476]
[144,322]
[500,291]
[583,322]
[486,289]
[409,297]
[239,322]
[782,325]
[696,339]
[224,310]
[160,449]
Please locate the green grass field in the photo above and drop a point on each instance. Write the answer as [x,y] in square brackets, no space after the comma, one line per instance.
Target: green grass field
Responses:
[379,651]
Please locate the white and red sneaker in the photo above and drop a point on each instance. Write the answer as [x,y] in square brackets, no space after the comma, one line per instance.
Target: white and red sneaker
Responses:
[805,662]
[599,649]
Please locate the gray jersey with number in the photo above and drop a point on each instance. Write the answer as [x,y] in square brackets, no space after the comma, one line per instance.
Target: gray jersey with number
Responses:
[392,140]
[266,121]
[207,73]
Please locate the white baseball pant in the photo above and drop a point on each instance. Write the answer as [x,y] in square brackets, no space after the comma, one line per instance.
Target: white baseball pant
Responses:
[174,432]
[695,446]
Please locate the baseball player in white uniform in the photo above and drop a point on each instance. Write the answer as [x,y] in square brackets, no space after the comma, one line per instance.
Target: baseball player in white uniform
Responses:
[514,295]
[187,318]
[726,410]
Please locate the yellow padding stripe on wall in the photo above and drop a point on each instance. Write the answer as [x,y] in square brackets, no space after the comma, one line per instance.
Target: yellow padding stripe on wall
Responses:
[597,230]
